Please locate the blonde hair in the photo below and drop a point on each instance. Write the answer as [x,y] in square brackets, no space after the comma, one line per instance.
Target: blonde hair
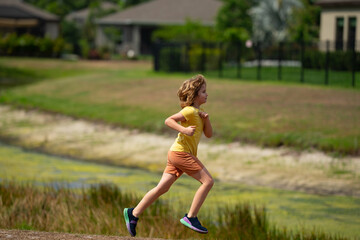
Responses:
[189,90]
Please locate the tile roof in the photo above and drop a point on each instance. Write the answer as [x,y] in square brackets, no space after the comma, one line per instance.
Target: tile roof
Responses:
[159,12]
[19,9]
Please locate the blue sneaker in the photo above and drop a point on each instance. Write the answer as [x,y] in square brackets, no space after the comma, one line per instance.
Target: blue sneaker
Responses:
[130,220]
[193,223]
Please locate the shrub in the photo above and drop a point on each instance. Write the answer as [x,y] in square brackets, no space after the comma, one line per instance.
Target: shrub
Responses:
[29,45]
[85,48]
[170,59]
[338,60]
[198,54]
[189,57]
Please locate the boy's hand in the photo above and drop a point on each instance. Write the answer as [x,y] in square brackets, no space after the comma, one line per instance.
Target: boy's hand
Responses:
[203,115]
[189,130]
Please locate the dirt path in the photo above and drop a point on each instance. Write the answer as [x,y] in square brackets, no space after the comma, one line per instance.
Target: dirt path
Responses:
[32,235]
[283,168]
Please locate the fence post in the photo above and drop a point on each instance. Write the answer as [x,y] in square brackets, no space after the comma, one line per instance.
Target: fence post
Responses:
[220,60]
[238,59]
[259,61]
[327,62]
[353,64]
[156,50]
[302,54]
[186,58]
[203,57]
[279,60]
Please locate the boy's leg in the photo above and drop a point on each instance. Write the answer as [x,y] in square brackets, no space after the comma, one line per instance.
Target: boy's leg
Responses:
[165,183]
[207,182]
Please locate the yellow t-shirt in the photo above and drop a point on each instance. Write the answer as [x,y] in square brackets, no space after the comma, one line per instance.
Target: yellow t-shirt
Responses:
[183,142]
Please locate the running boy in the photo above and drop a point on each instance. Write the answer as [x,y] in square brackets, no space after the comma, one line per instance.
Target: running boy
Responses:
[182,155]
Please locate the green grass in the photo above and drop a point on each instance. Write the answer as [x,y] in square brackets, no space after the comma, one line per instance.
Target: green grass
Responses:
[18,75]
[98,210]
[264,113]
[294,210]
[290,75]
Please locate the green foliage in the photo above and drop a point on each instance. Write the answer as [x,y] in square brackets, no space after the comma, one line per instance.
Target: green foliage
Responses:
[189,32]
[338,60]
[114,34]
[171,59]
[74,36]
[234,21]
[29,45]
[197,54]
[88,32]
[305,26]
[85,48]
[64,7]
[189,57]
[97,211]
[235,35]
[70,32]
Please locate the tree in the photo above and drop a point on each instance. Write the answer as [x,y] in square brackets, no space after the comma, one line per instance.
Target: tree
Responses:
[233,20]
[59,8]
[272,18]
[63,7]
[190,31]
[305,26]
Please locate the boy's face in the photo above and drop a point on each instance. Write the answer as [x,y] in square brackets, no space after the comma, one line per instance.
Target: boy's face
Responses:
[202,95]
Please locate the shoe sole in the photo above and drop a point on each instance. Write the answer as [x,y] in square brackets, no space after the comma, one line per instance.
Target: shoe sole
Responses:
[127,221]
[187,224]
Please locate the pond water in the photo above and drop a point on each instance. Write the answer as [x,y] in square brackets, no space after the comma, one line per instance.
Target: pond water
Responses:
[295,210]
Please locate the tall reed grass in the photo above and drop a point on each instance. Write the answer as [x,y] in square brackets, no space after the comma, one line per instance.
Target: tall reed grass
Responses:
[98,210]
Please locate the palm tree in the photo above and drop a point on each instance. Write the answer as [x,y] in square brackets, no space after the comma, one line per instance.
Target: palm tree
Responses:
[271,19]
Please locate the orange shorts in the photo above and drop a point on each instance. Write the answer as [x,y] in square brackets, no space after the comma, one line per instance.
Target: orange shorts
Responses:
[180,162]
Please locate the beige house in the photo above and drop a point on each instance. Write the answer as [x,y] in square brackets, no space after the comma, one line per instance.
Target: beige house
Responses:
[340,24]
[20,17]
[139,22]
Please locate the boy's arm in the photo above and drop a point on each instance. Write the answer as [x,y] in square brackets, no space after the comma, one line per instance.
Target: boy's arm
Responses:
[173,120]
[207,124]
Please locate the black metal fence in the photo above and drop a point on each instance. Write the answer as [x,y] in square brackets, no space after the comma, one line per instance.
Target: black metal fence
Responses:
[328,63]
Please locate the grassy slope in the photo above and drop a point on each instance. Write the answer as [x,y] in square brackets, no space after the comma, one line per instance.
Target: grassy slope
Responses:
[269,114]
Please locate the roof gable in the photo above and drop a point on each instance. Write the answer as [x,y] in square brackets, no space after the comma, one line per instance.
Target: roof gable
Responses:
[18,9]
[161,12]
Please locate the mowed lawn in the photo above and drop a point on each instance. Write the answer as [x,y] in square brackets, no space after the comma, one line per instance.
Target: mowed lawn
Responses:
[130,94]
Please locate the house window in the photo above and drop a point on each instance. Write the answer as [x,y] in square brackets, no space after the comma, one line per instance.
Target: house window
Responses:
[351,33]
[339,42]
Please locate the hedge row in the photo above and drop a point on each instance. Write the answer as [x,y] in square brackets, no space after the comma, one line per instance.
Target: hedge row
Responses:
[338,60]
[193,58]
[29,45]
